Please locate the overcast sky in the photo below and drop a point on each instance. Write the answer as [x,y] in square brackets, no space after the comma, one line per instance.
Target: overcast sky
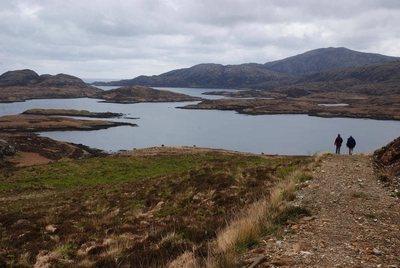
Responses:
[122,39]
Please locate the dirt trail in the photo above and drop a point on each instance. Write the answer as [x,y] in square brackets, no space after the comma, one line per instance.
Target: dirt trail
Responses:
[29,159]
[355,220]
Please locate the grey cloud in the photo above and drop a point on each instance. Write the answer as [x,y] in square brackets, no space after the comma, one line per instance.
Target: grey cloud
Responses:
[86,38]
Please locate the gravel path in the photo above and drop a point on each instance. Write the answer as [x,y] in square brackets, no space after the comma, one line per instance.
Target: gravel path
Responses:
[355,220]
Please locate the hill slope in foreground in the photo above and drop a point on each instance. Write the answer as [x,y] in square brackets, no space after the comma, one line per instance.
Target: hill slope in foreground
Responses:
[197,207]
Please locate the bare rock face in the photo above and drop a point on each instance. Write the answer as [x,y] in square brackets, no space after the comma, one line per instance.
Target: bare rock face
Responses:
[388,158]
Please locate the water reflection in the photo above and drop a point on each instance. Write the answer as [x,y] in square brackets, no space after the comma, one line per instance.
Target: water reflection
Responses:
[333,104]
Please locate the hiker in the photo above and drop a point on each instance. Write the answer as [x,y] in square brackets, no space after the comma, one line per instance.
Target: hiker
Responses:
[338,143]
[351,143]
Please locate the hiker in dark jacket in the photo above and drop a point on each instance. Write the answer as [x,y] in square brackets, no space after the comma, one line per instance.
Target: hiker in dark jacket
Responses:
[351,143]
[338,143]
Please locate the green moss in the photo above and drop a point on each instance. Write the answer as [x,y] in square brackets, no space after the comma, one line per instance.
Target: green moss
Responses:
[285,171]
[356,194]
[58,112]
[291,213]
[302,177]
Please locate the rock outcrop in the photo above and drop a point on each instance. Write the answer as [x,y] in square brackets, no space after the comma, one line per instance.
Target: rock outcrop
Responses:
[6,149]
[388,160]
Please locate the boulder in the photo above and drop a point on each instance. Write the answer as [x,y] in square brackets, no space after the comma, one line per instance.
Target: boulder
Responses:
[7,150]
[387,158]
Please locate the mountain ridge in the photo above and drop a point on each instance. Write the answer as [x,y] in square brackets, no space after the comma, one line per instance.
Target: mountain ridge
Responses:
[325,59]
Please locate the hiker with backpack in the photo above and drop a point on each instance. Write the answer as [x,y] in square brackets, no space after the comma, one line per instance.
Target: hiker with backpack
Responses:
[351,143]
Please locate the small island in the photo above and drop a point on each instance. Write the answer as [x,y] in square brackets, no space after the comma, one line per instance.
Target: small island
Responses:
[136,94]
[41,123]
[72,112]
[330,104]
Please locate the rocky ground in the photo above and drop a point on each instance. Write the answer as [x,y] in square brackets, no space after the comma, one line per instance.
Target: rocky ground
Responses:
[355,220]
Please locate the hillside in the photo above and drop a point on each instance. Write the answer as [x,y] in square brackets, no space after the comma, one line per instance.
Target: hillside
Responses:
[373,80]
[144,207]
[194,207]
[169,207]
[261,76]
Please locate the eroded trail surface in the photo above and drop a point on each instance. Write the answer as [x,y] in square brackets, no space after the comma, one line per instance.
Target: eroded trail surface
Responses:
[355,220]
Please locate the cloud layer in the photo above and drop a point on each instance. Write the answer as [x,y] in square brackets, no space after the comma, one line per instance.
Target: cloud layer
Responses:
[124,39]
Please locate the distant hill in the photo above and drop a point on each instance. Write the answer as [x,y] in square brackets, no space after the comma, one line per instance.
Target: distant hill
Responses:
[26,84]
[262,76]
[209,76]
[30,78]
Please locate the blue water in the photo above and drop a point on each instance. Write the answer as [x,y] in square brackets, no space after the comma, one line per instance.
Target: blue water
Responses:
[164,124]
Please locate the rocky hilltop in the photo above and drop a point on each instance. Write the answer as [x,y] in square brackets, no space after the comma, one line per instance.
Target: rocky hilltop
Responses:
[26,84]
[258,76]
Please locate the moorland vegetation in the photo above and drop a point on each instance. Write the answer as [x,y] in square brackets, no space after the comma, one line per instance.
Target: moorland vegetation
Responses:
[145,210]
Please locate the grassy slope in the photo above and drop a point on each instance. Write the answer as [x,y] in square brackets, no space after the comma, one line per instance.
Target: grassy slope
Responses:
[119,211]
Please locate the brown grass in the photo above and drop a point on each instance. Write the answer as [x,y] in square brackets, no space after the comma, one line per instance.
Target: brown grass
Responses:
[248,227]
